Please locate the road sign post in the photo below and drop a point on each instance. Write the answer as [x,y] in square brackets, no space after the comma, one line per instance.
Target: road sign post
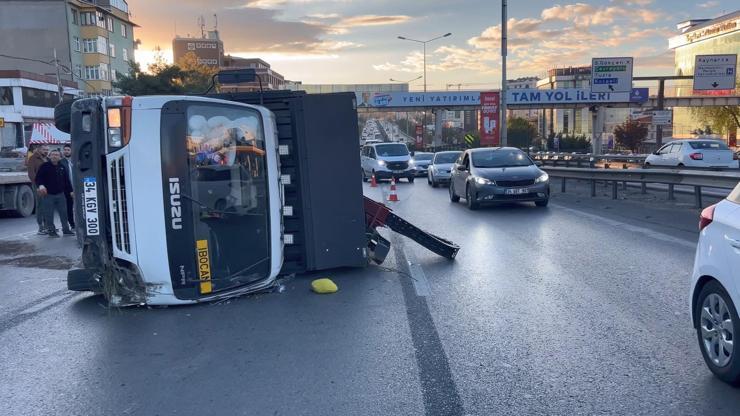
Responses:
[715,72]
[611,74]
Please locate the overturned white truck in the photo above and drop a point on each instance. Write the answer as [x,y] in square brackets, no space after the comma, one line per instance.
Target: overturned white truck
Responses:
[182,199]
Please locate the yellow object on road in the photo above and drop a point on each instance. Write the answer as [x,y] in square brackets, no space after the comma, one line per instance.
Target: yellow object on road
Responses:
[323,286]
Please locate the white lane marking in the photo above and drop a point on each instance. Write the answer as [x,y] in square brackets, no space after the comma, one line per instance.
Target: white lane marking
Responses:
[419,278]
[629,227]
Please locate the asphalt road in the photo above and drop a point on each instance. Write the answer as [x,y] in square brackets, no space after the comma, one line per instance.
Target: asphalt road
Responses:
[578,308]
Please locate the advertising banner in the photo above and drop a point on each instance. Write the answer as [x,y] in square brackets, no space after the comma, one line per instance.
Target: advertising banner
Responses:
[489,118]
[419,136]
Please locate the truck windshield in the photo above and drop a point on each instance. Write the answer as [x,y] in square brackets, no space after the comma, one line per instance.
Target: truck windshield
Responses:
[228,187]
[395,149]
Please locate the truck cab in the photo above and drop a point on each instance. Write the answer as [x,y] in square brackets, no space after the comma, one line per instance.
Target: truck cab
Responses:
[180,197]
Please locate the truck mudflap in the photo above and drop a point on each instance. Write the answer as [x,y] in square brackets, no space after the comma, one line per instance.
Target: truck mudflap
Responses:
[379,215]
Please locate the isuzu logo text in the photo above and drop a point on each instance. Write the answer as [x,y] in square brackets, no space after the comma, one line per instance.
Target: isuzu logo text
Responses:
[175,205]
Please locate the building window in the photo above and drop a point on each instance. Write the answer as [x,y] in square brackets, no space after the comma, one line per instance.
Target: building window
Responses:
[112,50]
[76,42]
[124,54]
[78,71]
[109,23]
[100,19]
[92,72]
[123,31]
[114,75]
[75,17]
[104,72]
[89,45]
[6,96]
[87,19]
[39,98]
[102,45]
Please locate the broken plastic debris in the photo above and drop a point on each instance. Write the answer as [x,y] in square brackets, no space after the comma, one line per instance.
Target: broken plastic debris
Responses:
[323,286]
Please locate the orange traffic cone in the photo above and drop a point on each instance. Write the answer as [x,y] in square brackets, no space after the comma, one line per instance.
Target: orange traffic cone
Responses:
[392,197]
[373,182]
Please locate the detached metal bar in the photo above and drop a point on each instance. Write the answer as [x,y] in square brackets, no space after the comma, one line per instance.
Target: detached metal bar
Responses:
[671,195]
[562,185]
[593,187]
[614,190]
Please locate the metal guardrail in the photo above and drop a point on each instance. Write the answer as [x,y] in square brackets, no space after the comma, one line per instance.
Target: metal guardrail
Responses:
[697,179]
[585,160]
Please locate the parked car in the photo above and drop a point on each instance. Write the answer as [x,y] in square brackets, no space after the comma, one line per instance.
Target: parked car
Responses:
[439,170]
[422,160]
[498,174]
[386,161]
[693,153]
[715,287]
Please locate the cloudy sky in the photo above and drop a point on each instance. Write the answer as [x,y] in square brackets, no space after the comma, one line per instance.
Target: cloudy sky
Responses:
[355,41]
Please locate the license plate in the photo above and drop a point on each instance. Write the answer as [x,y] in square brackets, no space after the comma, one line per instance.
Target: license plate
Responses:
[397,171]
[517,191]
[90,205]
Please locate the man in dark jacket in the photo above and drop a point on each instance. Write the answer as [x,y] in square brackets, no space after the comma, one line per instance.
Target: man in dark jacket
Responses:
[67,163]
[53,181]
[38,158]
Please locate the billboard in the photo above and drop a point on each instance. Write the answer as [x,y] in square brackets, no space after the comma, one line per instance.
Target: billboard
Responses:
[489,118]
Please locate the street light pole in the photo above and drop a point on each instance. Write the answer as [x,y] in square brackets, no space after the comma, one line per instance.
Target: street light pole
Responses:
[504,137]
[424,44]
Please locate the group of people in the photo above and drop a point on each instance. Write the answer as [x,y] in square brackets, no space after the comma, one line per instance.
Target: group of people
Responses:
[51,175]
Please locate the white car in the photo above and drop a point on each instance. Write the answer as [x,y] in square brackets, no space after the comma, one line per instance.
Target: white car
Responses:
[386,161]
[440,169]
[693,153]
[715,287]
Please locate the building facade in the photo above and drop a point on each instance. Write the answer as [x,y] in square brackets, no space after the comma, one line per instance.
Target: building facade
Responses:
[27,98]
[701,37]
[93,40]
[271,79]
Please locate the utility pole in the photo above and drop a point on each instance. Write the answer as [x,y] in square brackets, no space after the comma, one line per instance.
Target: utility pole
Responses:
[504,24]
[60,88]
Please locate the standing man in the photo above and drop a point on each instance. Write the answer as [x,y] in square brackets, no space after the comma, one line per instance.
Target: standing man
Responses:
[67,163]
[38,158]
[53,182]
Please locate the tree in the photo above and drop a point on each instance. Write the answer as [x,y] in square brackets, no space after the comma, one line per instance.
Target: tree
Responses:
[631,134]
[520,132]
[195,75]
[721,120]
[164,78]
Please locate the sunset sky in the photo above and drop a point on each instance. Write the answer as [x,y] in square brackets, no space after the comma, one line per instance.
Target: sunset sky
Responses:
[353,41]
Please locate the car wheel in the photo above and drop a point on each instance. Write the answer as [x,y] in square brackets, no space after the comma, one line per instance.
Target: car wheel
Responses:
[411,179]
[472,203]
[453,195]
[542,203]
[680,165]
[716,325]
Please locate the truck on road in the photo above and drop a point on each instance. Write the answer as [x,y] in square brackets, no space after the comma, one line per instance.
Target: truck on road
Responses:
[184,199]
[16,192]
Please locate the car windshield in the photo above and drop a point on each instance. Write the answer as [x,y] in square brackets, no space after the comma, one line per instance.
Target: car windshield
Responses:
[394,149]
[228,183]
[441,158]
[423,156]
[708,145]
[500,158]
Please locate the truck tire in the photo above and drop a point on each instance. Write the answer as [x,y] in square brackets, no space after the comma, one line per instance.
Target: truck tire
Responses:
[62,115]
[25,201]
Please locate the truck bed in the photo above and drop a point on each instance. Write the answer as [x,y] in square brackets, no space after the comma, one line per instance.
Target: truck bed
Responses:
[14,178]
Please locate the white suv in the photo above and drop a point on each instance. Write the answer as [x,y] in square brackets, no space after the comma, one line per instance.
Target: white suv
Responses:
[386,161]
[693,153]
[715,287]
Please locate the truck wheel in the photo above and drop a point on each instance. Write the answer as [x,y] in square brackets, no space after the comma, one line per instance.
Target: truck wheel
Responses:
[24,201]
[63,115]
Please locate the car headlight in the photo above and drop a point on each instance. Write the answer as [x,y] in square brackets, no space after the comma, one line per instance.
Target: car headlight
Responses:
[542,178]
[381,162]
[412,161]
[483,181]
